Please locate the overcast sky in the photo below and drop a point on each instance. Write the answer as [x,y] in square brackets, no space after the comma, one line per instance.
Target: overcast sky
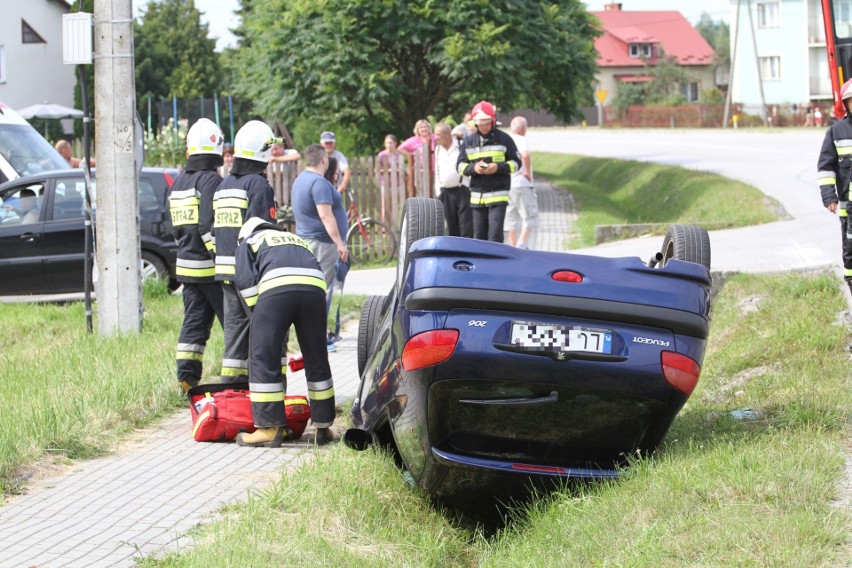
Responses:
[223,18]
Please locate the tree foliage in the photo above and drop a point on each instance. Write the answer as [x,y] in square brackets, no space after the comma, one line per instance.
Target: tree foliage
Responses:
[664,88]
[175,56]
[718,35]
[380,65]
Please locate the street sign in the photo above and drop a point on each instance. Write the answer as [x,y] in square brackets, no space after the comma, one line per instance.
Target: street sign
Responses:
[601,95]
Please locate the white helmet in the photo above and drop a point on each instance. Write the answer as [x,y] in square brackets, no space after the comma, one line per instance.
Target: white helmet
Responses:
[204,138]
[254,141]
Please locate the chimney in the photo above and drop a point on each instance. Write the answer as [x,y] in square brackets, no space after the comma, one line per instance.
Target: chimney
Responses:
[613,7]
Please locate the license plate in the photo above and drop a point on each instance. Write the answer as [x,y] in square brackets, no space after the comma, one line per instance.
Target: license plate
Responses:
[561,338]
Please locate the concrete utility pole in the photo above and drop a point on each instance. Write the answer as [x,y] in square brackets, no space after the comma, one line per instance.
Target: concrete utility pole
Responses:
[117,227]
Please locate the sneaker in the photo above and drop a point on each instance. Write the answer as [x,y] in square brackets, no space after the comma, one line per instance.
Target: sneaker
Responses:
[331,347]
[331,338]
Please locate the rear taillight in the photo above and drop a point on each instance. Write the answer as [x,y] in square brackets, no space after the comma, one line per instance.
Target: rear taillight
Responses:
[429,348]
[680,371]
[169,180]
[567,276]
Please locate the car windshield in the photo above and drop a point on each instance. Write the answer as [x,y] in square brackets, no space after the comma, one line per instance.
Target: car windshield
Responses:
[28,152]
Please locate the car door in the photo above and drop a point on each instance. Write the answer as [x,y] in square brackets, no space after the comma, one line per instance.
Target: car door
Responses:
[21,242]
[64,233]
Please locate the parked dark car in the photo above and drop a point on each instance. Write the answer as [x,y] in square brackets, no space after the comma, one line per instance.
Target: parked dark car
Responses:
[45,254]
[488,364]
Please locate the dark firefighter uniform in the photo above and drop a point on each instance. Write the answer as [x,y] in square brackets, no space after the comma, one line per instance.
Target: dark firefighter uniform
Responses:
[834,172]
[191,209]
[489,194]
[282,282]
[244,193]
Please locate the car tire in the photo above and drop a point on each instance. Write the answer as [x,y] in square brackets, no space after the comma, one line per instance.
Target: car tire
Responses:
[153,266]
[422,217]
[690,243]
[367,329]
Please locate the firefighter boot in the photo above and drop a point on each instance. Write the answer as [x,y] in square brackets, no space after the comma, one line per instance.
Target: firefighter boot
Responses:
[323,436]
[263,437]
[187,384]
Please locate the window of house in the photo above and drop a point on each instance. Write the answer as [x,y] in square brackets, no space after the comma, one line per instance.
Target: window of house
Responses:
[769,14]
[690,91]
[2,63]
[770,68]
[642,50]
[842,11]
[29,35]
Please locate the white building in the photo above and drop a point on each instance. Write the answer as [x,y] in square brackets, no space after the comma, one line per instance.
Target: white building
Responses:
[31,68]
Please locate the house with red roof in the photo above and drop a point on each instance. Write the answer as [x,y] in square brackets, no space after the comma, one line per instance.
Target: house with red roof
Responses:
[631,41]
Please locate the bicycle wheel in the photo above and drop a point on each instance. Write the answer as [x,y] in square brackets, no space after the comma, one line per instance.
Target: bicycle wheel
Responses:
[371,241]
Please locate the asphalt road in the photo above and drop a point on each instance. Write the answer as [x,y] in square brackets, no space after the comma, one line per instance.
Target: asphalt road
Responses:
[781,163]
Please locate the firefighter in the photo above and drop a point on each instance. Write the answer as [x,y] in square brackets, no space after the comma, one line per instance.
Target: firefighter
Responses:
[244,193]
[489,157]
[191,209]
[282,282]
[834,170]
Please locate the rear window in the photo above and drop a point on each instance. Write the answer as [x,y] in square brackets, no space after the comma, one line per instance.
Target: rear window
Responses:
[27,152]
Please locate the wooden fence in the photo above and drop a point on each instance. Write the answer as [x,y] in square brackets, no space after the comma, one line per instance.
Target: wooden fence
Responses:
[380,193]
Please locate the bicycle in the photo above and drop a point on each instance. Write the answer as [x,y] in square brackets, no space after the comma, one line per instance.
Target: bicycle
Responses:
[368,240]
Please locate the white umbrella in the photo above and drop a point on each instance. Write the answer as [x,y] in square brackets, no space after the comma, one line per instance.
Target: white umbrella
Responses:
[50,110]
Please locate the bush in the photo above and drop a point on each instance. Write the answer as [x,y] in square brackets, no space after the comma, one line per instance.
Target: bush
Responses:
[166,148]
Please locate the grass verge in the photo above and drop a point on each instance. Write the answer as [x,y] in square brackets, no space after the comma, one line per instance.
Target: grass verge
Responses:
[627,192]
[747,476]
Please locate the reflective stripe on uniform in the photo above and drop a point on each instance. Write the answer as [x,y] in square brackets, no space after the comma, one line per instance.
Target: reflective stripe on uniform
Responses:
[321,385]
[196,268]
[234,367]
[286,276]
[847,272]
[266,396]
[266,387]
[841,209]
[843,147]
[320,395]
[226,265]
[209,243]
[489,198]
[190,352]
[826,178]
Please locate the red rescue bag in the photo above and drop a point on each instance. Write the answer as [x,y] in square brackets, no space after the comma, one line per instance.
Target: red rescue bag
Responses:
[221,411]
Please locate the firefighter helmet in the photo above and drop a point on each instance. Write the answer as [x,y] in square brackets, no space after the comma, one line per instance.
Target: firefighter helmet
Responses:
[204,138]
[846,90]
[254,141]
[483,113]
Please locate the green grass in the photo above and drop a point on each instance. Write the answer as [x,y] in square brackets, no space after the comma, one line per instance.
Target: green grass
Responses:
[629,192]
[721,492]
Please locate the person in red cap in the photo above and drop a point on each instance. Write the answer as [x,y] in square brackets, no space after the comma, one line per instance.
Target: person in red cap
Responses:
[489,157]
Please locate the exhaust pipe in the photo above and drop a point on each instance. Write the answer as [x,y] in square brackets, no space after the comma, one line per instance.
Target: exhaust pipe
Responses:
[655,260]
[357,439]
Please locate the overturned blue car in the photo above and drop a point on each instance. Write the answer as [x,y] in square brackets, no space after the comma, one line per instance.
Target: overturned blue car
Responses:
[488,364]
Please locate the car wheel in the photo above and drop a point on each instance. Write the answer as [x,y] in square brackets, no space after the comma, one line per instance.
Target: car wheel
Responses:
[367,328]
[153,266]
[422,217]
[690,243]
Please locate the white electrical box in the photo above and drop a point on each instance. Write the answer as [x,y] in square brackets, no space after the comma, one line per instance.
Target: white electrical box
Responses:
[77,32]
